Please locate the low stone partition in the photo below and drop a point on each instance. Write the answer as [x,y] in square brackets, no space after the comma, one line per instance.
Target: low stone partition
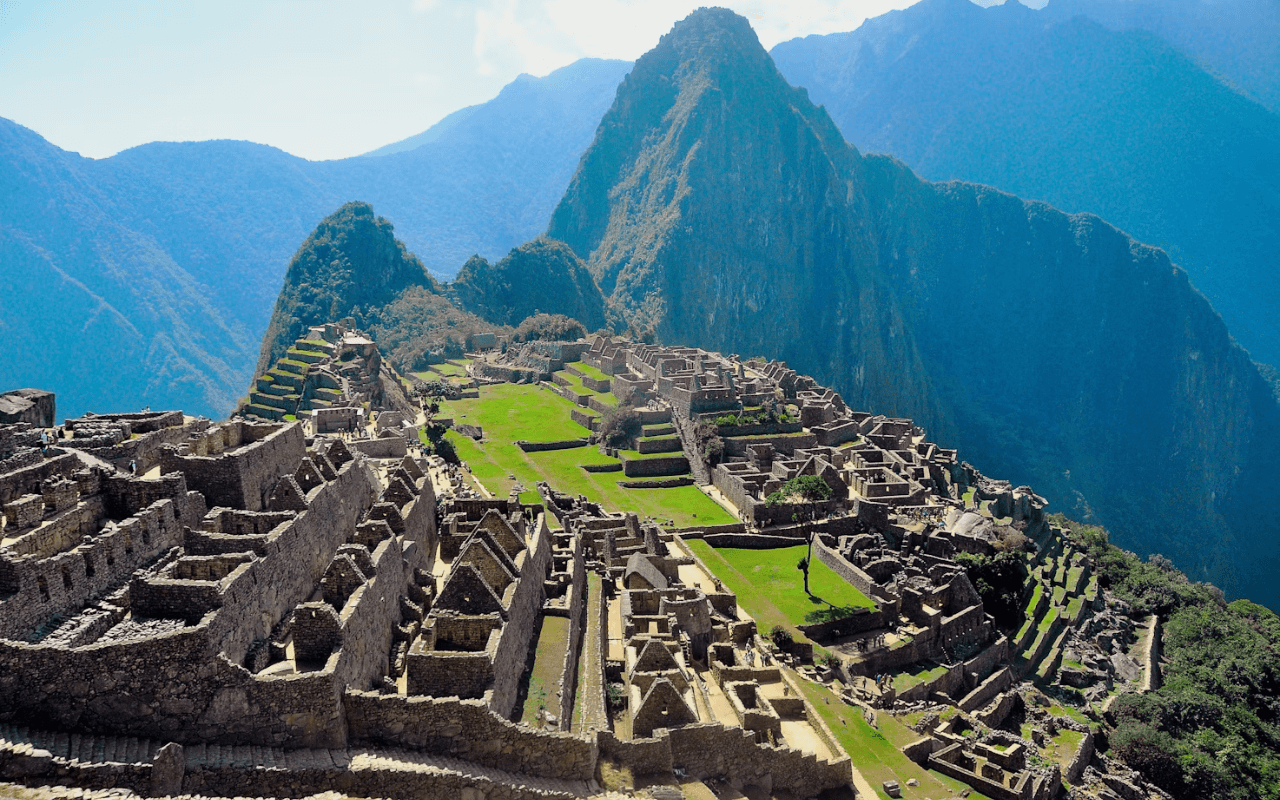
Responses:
[761,429]
[588,421]
[563,444]
[751,541]
[713,750]
[863,619]
[467,729]
[786,443]
[664,444]
[643,756]
[667,483]
[1083,754]
[386,447]
[654,467]
[613,466]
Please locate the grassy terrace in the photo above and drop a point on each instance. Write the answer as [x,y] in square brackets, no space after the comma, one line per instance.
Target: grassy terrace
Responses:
[510,412]
[456,368]
[771,589]
[917,674]
[548,661]
[589,371]
[876,753]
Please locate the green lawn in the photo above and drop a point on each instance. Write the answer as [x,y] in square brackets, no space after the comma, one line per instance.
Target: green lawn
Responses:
[548,662]
[917,674]
[509,412]
[770,587]
[589,371]
[876,753]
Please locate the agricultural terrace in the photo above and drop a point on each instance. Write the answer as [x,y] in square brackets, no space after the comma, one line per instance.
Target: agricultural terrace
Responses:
[876,751]
[770,587]
[509,412]
[448,371]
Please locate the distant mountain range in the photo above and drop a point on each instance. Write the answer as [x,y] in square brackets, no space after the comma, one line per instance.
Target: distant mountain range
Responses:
[148,278]
[1236,40]
[723,209]
[1054,106]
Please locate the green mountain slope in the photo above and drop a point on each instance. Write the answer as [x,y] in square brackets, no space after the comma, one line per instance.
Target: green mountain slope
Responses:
[724,209]
[542,275]
[352,265]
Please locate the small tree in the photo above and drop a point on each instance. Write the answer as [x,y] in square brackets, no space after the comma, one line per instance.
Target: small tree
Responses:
[620,425]
[781,637]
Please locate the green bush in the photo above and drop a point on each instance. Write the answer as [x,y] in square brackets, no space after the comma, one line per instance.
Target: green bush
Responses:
[781,637]
[811,488]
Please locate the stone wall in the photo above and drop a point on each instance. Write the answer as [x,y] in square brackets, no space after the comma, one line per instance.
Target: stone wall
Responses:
[29,479]
[467,729]
[522,618]
[654,467]
[712,750]
[782,443]
[588,421]
[577,626]
[849,571]
[564,444]
[242,477]
[386,447]
[762,429]
[45,588]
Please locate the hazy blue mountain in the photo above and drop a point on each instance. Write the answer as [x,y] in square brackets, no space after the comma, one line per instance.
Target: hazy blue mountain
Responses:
[1089,120]
[446,125]
[164,261]
[719,206]
[1237,40]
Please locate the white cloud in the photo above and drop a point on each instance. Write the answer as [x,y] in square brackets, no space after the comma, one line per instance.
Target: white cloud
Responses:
[538,36]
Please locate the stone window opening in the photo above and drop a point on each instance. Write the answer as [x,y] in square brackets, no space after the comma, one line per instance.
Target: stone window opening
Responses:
[66,577]
[43,585]
[88,565]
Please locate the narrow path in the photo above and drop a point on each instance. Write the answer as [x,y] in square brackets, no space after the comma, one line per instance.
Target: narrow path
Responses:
[592,714]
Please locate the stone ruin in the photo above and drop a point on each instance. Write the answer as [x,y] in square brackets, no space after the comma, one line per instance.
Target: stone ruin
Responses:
[335,376]
[243,608]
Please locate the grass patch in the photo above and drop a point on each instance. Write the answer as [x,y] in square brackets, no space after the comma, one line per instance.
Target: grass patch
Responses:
[875,752]
[589,371]
[769,586]
[530,496]
[548,662]
[916,675]
[508,412]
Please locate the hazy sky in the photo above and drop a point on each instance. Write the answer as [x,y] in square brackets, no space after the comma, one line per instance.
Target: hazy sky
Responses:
[318,78]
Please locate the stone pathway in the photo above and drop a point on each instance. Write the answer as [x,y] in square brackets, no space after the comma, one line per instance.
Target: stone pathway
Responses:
[592,715]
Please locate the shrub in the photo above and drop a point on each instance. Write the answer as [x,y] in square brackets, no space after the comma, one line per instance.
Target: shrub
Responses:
[620,425]
[549,327]
[781,637]
[809,488]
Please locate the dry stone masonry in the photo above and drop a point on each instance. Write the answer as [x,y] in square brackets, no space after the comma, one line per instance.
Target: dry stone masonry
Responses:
[267,607]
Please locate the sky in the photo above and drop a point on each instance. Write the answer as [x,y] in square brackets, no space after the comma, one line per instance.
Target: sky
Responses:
[320,79]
